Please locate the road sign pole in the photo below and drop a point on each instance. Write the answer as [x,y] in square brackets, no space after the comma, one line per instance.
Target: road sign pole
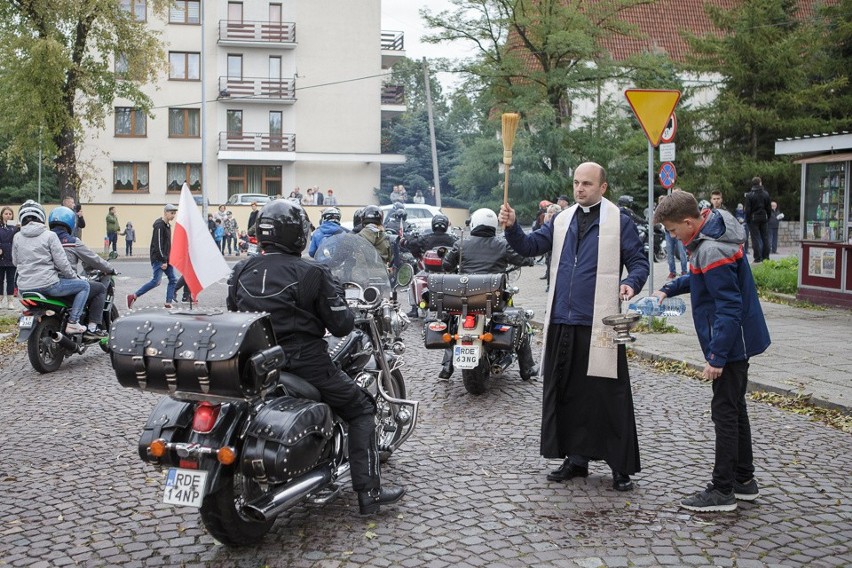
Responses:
[650,218]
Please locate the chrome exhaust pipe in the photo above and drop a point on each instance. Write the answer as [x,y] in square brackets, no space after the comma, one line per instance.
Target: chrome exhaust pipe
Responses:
[64,342]
[270,505]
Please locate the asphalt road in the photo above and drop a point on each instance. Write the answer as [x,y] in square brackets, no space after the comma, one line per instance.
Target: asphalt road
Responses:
[74,492]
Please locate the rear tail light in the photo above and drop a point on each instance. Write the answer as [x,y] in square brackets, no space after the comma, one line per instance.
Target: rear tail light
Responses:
[188,464]
[205,417]
[469,322]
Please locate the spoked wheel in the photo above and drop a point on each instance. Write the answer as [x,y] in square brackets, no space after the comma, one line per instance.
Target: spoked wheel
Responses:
[45,354]
[220,512]
[387,430]
[476,380]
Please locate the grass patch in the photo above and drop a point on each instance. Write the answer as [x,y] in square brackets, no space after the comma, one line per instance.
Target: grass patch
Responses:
[8,324]
[654,325]
[777,275]
[776,298]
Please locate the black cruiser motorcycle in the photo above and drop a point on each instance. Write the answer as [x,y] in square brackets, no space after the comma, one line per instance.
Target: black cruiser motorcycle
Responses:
[237,436]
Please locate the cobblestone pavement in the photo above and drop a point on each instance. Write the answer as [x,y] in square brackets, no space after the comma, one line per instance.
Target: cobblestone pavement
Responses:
[74,492]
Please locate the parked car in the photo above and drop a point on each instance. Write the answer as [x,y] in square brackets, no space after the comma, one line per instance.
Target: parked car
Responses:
[420,216]
[248,198]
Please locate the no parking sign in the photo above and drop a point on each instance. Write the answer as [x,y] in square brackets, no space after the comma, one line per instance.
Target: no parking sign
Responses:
[667,175]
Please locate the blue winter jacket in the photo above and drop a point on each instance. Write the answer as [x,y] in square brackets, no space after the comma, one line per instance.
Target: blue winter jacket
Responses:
[576,277]
[727,314]
[324,231]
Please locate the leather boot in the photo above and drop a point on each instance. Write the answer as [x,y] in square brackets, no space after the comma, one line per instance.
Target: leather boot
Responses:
[526,361]
[446,365]
[370,501]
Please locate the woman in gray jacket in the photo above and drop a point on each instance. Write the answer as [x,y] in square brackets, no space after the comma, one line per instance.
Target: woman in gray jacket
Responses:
[43,266]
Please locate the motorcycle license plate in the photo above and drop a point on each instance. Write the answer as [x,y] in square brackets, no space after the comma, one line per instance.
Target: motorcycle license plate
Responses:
[466,356]
[185,487]
[26,322]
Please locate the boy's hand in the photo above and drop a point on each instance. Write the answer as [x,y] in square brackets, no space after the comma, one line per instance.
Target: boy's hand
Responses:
[712,373]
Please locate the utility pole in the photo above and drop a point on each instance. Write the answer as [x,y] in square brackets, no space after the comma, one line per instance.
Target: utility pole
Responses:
[436,178]
[39,164]
[203,63]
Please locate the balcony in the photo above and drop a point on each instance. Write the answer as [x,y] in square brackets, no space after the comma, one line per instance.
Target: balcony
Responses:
[393,100]
[256,142]
[257,34]
[257,90]
[393,48]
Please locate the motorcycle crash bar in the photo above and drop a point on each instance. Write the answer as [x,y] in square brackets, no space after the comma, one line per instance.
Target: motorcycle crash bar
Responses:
[270,505]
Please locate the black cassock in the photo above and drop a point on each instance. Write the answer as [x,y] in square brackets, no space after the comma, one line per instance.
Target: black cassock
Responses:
[586,415]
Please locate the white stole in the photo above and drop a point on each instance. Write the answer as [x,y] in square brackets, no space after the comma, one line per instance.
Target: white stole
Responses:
[603,352]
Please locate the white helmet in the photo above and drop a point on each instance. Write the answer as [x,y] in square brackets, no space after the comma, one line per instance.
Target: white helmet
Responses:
[483,217]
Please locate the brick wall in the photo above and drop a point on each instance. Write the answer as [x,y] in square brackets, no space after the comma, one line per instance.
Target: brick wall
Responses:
[789,233]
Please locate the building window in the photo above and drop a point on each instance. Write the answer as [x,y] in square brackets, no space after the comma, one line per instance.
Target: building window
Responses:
[275,13]
[184,123]
[177,174]
[235,12]
[130,176]
[254,179]
[130,122]
[185,12]
[121,64]
[235,123]
[136,7]
[184,66]
[235,66]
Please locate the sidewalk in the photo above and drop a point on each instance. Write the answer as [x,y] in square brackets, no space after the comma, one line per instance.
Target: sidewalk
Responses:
[809,354]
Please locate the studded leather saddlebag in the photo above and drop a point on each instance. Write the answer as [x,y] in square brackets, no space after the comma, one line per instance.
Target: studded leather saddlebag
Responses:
[288,437]
[170,420]
[466,293]
[191,355]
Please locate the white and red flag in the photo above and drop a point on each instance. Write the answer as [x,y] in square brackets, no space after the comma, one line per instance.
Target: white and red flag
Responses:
[194,252]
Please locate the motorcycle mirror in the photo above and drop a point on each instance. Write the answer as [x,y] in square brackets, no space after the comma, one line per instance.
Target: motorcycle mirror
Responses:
[404,276]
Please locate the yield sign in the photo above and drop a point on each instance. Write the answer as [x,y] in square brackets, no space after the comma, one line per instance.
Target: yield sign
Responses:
[653,107]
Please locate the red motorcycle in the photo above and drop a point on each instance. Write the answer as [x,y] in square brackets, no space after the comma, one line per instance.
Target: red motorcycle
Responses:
[430,263]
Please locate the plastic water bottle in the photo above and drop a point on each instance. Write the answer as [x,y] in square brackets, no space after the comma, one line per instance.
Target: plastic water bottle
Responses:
[651,306]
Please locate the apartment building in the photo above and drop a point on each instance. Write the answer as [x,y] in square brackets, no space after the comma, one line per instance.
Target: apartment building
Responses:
[273,94]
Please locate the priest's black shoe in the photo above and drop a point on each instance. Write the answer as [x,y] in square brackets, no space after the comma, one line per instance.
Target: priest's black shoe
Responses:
[621,482]
[567,471]
[370,501]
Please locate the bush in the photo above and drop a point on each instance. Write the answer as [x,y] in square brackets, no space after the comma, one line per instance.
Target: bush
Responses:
[777,275]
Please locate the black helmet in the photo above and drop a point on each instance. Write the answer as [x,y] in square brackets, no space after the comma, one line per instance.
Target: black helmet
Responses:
[330,214]
[371,215]
[440,224]
[625,201]
[358,217]
[283,224]
[398,205]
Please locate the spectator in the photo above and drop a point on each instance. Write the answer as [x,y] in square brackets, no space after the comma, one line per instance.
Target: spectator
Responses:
[78,209]
[774,217]
[211,224]
[252,218]
[112,228]
[758,208]
[562,201]
[403,193]
[716,200]
[739,214]
[222,214]
[674,248]
[318,196]
[396,195]
[129,238]
[296,195]
[161,247]
[418,198]
[219,236]
[330,199]
[8,228]
[231,231]
[430,195]
[308,198]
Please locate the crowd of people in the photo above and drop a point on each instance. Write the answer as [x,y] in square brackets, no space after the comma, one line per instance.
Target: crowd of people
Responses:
[595,259]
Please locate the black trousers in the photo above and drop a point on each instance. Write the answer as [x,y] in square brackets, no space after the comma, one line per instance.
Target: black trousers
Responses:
[760,239]
[95,302]
[734,459]
[349,401]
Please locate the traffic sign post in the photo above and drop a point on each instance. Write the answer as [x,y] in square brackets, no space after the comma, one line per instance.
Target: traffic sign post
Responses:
[654,108]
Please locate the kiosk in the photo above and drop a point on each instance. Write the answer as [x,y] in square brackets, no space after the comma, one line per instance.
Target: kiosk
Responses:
[825,268]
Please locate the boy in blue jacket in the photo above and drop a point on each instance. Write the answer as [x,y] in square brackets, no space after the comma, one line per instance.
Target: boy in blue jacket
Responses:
[731,328]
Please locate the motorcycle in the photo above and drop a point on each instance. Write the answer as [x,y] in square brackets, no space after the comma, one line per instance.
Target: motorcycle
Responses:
[237,436]
[485,330]
[42,323]
[660,252]
[430,263]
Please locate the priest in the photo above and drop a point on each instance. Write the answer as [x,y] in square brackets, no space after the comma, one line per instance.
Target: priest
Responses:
[587,404]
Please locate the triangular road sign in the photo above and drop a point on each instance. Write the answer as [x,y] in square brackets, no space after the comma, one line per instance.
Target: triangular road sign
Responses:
[652,107]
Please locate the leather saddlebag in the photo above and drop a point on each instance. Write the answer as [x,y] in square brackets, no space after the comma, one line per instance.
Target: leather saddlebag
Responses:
[466,293]
[433,335]
[170,420]
[288,437]
[191,355]
[506,328]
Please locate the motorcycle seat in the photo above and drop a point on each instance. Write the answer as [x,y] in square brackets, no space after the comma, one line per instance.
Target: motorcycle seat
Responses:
[65,301]
[298,387]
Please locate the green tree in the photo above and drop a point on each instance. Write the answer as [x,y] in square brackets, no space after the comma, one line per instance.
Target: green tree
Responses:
[19,180]
[766,54]
[57,75]
[836,62]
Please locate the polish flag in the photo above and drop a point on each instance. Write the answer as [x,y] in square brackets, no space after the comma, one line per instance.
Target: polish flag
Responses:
[194,252]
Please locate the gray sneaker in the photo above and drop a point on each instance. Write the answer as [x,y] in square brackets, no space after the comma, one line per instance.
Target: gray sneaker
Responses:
[710,500]
[746,491]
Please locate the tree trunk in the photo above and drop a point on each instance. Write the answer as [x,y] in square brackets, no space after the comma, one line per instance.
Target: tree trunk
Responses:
[66,165]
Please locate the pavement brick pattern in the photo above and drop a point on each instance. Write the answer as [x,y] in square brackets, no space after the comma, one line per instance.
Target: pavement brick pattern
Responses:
[73,491]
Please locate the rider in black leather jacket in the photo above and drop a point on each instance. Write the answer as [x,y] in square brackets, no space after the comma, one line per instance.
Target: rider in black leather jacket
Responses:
[484,253]
[437,238]
[304,300]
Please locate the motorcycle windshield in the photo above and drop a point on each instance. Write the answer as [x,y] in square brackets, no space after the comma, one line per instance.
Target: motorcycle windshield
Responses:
[353,259]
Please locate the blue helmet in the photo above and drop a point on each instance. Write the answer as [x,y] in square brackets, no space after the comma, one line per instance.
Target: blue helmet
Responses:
[63,216]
